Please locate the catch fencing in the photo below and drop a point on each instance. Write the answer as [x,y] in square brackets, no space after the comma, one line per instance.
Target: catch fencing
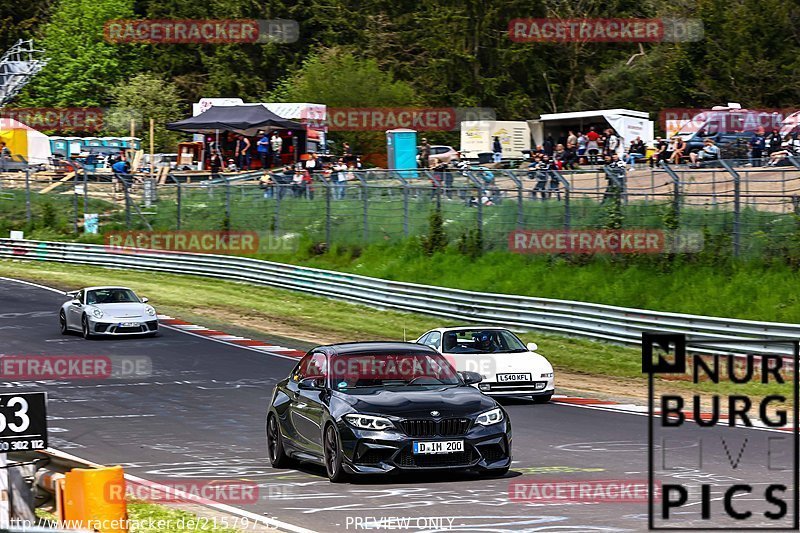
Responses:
[589,320]
[752,210]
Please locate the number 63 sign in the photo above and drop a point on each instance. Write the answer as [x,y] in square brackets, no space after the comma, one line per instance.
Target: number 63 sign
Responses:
[23,421]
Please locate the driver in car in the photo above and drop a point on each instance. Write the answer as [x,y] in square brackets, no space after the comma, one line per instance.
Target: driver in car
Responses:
[484,342]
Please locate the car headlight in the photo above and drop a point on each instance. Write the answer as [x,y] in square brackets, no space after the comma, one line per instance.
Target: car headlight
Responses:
[548,375]
[490,417]
[150,311]
[377,423]
[97,313]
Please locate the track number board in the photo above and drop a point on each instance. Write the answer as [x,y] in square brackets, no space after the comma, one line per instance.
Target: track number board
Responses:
[504,378]
[442,446]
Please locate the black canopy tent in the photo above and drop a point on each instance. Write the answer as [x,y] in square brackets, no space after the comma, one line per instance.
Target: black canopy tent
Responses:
[243,119]
[246,120]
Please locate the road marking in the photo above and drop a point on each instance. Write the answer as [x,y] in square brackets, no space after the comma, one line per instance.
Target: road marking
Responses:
[97,416]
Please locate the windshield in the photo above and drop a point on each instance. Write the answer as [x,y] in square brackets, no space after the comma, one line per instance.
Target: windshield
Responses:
[482,341]
[110,296]
[383,370]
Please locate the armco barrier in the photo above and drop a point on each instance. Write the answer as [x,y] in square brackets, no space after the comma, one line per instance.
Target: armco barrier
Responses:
[594,321]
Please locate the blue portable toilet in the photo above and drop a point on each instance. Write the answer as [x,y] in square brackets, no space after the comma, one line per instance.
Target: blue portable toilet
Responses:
[59,146]
[401,147]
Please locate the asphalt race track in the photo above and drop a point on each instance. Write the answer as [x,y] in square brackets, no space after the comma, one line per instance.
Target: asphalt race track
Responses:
[200,415]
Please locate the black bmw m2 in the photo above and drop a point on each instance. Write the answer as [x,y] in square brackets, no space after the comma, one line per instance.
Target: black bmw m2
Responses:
[380,407]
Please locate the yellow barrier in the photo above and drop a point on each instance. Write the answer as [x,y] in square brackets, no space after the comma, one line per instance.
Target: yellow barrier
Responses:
[96,498]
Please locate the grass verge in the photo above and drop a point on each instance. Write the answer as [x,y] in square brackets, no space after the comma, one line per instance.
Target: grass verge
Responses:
[302,316]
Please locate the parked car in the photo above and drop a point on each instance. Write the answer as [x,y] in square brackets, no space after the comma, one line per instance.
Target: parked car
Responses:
[441,154]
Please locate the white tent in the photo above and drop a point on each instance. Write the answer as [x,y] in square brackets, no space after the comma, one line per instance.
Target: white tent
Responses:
[628,123]
[25,141]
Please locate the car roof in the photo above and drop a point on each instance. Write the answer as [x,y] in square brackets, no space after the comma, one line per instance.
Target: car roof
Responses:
[374,347]
[104,287]
[456,328]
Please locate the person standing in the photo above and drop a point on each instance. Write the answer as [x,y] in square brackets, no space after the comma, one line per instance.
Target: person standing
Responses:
[572,139]
[347,153]
[613,142]
[775,141]
[592,148]
[276,143]
[216,164]
[425,154]
[339,179]
[497,150]
[757,145]
[122,171]
[548,146]
[5,156]
[312,164]
[242,152]
[263,150]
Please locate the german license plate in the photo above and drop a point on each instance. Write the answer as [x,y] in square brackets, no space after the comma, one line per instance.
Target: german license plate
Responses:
[441,446]
[128,324]
[505,378]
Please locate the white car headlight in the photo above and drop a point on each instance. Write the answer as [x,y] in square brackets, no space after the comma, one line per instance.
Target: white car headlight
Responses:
[97,313]
[548,375]
[150,311]
[378,423]
[490,417]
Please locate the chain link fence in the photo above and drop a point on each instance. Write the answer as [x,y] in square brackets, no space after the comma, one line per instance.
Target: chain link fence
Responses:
[747,210]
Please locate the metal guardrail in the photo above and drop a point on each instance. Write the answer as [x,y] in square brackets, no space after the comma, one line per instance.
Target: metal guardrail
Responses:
[589,320]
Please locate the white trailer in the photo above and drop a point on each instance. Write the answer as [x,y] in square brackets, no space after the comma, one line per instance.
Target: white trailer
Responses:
[628,124]
[477,137]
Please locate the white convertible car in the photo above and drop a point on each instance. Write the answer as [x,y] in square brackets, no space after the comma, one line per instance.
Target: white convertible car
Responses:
[107,311]
[507,365]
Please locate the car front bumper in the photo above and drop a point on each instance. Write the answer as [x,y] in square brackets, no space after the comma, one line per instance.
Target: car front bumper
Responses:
[378,452]
[541,387]
[123,326]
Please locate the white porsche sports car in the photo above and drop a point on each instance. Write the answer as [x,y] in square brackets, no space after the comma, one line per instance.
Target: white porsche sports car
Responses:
[107,311]
[507,365]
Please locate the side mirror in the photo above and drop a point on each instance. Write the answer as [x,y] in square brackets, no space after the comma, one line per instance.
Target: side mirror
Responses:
[471,377]
[75,301]
[145,300]
[310,384]
[532,346]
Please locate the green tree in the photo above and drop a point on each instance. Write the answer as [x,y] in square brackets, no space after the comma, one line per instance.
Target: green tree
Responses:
[83,66]
[18,21]
[144,97]
[338,78]
[436,239]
